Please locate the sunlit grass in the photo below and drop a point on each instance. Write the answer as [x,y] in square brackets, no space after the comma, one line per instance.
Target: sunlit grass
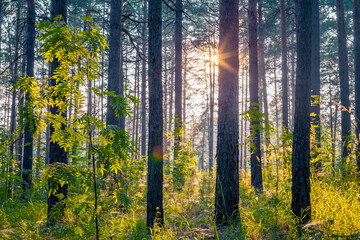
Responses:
[189,213]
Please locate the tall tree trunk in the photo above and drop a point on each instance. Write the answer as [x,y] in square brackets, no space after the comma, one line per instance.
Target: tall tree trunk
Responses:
[15,78]
[262,63]
[137,107]
[114,75]
[334,136]
[315,79]
[227,172]
[165,104]
[30,54]
[284,68]
[155,210]
[300,204]
[184,91]
[211,119]
[255,158]
[143,83]
[171,104]
[178,76]
[57,154]
[246,107]
[276,102]
[21,102]
[293,82]
[242,118]
[136,86]
[356,20]
[344,79]
[262,73]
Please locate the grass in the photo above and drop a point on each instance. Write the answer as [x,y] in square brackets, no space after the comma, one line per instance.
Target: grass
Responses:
[189,212]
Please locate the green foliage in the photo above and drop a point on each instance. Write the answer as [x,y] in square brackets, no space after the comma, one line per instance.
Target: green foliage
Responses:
[77,53]
[182,167]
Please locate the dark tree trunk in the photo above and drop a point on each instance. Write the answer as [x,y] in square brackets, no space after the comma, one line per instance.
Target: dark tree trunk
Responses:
[315,78]
[356,20]
[15,78]
[178,76]
[30,54]
[293,82]
[143,83]
[227,172]
[344,79]
[284,68]
[183,122]
[246,107]
[57,154]
[165,104]
[211,119]
[255,158]
[115,81]
[21,102]
[300,204]
[155,210]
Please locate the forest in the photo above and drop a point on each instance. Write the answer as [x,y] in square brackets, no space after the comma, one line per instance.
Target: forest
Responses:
[179,119]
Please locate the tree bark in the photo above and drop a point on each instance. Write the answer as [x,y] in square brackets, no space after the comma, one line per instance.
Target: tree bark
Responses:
[155,212]
[115,80]
[284,68]
[300,204]
[57,154]
[211,119]
[15,78]
[178,76]
[356,20]
[315,79]
[255,158]
[227,172]
[143,83]
[30,58]
[344,80]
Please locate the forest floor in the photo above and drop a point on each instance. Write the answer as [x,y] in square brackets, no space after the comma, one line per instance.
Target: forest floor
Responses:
[189,212]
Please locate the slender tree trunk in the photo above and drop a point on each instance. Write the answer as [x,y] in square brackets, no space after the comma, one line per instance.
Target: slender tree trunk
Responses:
[245,127]
[137,108]
[293,82]
[114,75]
[334,137]
[57,154]
[255,158]
[356,20]
[184,92]
[21,102]
[315,79]
[155,212]
[242,119]
[344,80]
[143,83]
[178,76]
[262,73]
[284,68]
[171,104]
[300,204]
[211,120]
[15,78]
[227,172]
[276,102]
[136,86]
[30,57]
[166,101]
